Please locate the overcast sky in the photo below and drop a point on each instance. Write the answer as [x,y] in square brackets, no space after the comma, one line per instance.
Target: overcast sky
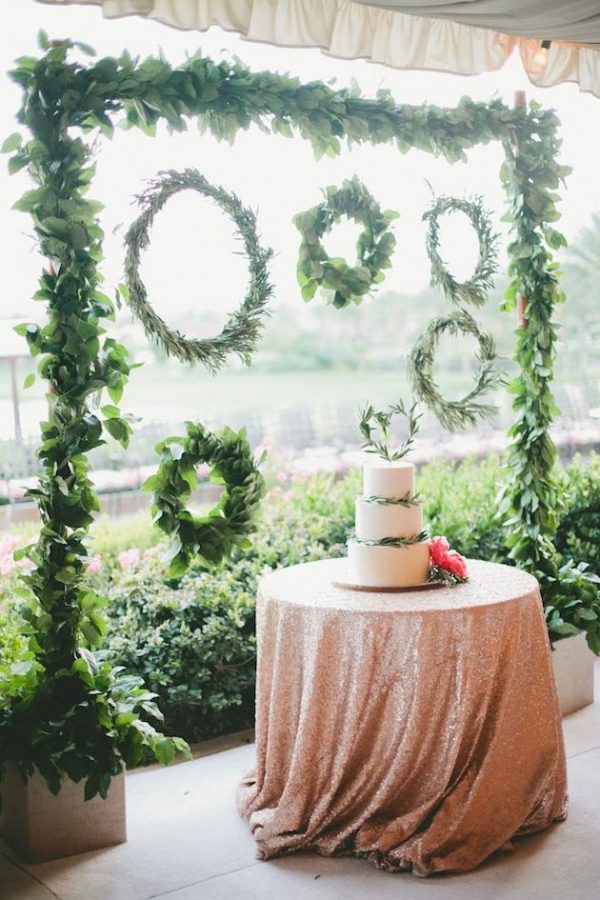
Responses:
[190,263]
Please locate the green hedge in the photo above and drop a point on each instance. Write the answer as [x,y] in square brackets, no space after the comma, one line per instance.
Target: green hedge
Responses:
[193,641]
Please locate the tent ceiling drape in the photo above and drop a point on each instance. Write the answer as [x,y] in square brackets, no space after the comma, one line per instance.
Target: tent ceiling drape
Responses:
[465,37]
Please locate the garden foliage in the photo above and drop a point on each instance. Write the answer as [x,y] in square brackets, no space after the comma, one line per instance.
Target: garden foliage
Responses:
[193,639]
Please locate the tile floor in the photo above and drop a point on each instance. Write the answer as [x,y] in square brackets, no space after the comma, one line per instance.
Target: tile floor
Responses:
[186,842]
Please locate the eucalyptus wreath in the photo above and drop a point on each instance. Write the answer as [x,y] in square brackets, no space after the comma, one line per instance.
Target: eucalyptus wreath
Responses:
[453,414]
[383,419]
[212,536]
[374,247]
[474,290]
[243,327]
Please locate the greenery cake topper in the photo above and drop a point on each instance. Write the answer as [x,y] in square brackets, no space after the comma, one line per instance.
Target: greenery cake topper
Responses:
[243,327]
[370,418]
[475,289]
[228,524]
[374,247]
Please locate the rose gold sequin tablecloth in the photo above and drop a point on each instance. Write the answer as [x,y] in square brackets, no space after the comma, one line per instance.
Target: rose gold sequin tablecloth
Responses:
[419,729]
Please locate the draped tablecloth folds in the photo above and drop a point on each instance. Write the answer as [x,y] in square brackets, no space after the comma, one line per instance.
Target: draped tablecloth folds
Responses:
[418,729]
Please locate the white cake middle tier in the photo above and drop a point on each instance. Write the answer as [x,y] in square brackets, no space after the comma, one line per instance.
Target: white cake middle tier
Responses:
[375,521]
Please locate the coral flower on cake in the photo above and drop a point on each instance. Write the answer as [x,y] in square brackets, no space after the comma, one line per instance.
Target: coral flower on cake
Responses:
[444,560]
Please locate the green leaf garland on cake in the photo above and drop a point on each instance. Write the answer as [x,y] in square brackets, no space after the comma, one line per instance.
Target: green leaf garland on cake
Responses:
[370,417]
[406,501]
[374,248]
[400,542]
[212,536]
[243,327]
[475,289]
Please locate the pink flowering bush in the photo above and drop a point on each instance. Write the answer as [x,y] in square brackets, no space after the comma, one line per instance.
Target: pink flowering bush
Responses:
[128,559]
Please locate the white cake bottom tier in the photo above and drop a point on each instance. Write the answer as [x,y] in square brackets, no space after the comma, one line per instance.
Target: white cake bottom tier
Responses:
[375,521]
[376,566]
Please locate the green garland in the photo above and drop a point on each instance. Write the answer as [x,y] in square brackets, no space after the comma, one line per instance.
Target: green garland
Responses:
[384,420]
[215,535]
[399,542]
[244,327]
[473,291]
[453,414]
[374,248]
[406,501]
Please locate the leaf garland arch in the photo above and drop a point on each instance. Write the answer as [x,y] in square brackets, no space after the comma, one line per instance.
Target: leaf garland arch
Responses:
[65,102]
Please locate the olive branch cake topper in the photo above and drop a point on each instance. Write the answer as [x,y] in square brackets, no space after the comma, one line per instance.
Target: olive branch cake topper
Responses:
[370,418]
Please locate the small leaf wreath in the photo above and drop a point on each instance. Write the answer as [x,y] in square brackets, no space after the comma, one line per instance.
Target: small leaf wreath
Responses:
[374,247]
[454,414]
[213,536]
[243,327]
[473,291]
[370,415]
[446,566]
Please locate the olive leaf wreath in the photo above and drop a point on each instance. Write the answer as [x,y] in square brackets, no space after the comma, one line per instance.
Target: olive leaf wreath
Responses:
[474,290]
[243,327]
[454,414]
[374,247]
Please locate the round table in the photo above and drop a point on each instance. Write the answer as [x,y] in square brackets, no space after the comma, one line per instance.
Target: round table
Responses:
[419,729]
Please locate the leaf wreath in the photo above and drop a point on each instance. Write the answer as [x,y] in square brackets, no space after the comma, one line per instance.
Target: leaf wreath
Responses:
[474,290]
[454,414]
[374,247]
[228,524]
[243,327]
[383,420]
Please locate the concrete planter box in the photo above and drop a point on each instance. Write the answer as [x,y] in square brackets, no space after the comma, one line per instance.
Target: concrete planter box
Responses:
[40,826]
[573,664]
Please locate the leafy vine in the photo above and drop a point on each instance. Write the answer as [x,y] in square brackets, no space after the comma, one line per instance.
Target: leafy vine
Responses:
[64,700]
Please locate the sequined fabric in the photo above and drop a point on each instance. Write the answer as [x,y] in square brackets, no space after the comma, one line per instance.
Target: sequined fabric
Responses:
[418,729]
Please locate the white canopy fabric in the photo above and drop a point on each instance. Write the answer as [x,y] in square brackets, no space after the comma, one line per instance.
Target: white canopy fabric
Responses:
[465,37]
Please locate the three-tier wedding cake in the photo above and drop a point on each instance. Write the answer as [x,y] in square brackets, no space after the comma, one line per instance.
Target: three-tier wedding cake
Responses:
[390,548]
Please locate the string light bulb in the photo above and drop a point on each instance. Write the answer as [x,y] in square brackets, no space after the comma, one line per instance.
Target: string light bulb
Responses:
[541,57]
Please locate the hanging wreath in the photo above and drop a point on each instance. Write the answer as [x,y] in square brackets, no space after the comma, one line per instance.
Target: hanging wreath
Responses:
[453,414]
[243,327]
[473,291]
[374,247]
[228,524]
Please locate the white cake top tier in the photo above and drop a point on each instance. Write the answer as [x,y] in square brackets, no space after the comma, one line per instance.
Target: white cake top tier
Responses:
[388,479]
